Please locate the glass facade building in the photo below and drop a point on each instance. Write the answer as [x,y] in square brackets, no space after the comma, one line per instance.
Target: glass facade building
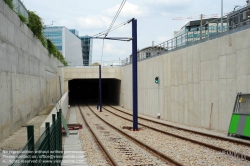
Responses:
[74,31]
[66,42]
[87,45]
[55,35]
[191,31]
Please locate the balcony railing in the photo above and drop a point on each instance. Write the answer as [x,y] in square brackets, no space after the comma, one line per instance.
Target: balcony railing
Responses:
[212,29]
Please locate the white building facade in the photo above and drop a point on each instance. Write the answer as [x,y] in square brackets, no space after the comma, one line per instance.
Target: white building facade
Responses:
[67,43]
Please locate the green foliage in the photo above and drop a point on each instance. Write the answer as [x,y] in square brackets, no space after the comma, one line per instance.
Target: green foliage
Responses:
[9,3]
[22,18]
[51,48]
[43,41]
[35,24]
[55,52]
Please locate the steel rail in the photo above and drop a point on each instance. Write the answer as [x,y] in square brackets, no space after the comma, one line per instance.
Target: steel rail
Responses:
[152,150]
[183,138]
[188,130]
[111,159]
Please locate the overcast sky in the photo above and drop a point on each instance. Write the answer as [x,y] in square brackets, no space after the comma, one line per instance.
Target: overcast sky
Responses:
[154,19]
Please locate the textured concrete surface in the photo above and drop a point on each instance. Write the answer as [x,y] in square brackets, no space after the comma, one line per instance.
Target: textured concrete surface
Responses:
[91,72]
[63,103]
[195,82]
[29,78]
[18,139]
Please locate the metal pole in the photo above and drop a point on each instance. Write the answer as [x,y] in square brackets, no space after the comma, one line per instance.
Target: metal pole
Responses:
[201,28]
[217,27]
[100,87]
[247,15]
[60,129]
[47,126]
[221,15]
[59,133]
[54,134]
[176,42]
[208,30]
[134,66]
[31,142]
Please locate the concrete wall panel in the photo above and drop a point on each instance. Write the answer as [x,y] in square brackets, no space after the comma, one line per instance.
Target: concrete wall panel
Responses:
[198,84]
[190,65]
[28,76]
[231,41]
[242,63]
[223,66]
[242,83]
[231,66]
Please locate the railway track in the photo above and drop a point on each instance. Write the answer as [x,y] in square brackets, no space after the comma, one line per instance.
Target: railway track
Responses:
[120,148]
[100,145]
[183,151]
[183,129]
[206,140]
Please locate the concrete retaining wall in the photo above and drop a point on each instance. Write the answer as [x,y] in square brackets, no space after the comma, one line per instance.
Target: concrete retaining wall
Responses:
[191,80]
[28,76]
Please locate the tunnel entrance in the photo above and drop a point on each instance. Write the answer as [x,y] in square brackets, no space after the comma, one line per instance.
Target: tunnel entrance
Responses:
[88,89]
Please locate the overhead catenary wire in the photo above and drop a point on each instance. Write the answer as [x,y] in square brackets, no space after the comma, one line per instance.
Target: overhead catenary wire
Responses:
[112,29]
[111,25]
[116,16]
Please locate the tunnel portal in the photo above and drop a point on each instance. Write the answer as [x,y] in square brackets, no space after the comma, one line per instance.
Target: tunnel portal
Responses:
[88,89]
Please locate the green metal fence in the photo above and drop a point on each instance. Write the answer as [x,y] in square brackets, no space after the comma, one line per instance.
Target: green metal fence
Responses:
[48,148]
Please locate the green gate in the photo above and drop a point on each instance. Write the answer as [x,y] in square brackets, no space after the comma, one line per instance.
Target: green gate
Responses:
[240,120]
[48,148]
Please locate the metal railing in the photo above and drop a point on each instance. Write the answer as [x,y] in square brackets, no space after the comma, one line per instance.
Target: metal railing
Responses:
[96,63]
[211,29]
[20,8]
[48,148]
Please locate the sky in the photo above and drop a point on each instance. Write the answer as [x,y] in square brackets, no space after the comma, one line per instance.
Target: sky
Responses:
[155,19]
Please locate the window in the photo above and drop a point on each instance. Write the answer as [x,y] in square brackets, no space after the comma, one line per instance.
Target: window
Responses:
[59,47]
[148,54]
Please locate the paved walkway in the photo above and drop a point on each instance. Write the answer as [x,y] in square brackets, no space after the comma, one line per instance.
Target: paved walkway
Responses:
[18,139]
[73,154]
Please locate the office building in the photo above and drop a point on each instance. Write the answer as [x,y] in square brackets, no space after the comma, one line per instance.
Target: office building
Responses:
[67,43]
[193,32]
[74,31]
[86,44]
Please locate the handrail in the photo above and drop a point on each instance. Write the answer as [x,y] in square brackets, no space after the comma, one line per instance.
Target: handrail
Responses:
[209,29]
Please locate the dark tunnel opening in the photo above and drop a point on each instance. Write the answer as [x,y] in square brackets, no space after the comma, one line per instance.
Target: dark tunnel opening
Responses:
[88,89]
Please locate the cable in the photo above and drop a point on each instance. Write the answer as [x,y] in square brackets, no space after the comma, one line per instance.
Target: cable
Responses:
[111,25]
[116,16]
[112,29]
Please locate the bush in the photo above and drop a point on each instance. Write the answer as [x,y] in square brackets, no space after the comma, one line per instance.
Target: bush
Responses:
[9,3]
[35,24]
[43,41]
[52,49]
[22,18]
